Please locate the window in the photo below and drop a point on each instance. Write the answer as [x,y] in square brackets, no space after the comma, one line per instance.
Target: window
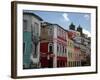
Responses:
[32,28]
[34,50]
[36,28]
[50,47]
[69,64]
[79,63]
[58,49]
[25,25]
[50,32]
[63,49]
[65,35]
[73,63]
[70,44]
[24,47]
[69,54]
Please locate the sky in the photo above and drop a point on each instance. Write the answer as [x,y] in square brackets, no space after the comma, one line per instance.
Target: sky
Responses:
[64,19]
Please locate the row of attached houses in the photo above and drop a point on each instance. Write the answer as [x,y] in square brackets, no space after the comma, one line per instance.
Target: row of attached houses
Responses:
[73,48]
[82,46]
[47,45]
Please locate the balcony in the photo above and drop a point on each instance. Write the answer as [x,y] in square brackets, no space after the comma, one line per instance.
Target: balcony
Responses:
[76,44]
[83,48]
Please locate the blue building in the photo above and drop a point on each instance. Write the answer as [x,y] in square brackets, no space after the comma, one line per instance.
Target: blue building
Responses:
[31,37]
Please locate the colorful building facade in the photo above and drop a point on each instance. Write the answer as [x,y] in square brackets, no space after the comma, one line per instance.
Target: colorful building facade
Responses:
[47,45]
[62,38]
[86,51]
[82,50]
[70,53]
[74,47]
[31,44]
[53,45]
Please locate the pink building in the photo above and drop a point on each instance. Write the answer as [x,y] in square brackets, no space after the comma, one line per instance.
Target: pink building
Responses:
[53,46]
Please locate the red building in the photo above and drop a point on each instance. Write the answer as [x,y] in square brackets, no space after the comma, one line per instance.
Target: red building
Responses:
[61,47]
[53,46]
[46,57]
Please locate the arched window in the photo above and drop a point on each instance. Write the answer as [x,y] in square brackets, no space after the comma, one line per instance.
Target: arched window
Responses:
[50,47]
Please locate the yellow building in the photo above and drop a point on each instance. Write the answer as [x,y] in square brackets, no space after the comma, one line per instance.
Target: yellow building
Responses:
[70,53]
[73,57]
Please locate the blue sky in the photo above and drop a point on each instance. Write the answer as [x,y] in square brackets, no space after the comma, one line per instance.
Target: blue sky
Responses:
[64,19]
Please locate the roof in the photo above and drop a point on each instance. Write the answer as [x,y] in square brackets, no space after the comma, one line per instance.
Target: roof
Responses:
[47,23]
[61,27]
[31,13]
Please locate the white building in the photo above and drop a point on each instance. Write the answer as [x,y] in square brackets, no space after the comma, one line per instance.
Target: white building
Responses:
[31,44]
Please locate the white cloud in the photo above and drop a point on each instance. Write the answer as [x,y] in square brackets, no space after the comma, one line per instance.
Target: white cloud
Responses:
[65,16]
[87,32]
[86,17]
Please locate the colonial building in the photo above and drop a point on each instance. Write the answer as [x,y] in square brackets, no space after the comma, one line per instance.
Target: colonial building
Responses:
[53,46]
[62,48]
[74,42]
[31,44]
[82,43]
[47,45]
[70,53]
[86,50]
[77,53]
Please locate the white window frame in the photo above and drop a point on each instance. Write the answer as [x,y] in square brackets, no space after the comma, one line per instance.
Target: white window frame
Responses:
[36,28]
[50,31]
